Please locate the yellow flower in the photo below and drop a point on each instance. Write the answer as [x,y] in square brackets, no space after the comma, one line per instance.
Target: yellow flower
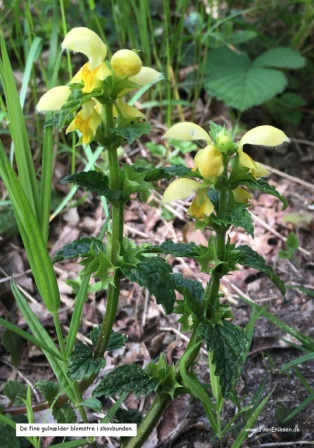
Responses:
[86,121]
[182,189]
[126,63]
[85,41]
[265,135]
[241,195]
[54,99]
[187,131]
[201,205]
[124,110]
[209,162]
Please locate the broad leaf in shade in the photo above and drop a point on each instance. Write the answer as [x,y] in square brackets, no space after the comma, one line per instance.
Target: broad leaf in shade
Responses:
[132,131]
[228,344]
[79,248]
[126,378]
[116,340]
[242,83]
[49,389]
[155,274]
[82,364]
[248,257]
[190,250]
[94,181]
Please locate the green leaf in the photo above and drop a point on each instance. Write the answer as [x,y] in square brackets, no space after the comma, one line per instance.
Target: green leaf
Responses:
[14,344]
[165,376]
[154,174]
[14,390]
[82,364]
[263,185]
[154,273]
[49,389]
[8,437]
[248,257]
[190,250]
[194,287]
[236,215]
[116,341]
[132,131]
[64,414]
[92,403]
[126,378]
[229,346]
[234,79]
[280,57]
[94,181]
[79,248]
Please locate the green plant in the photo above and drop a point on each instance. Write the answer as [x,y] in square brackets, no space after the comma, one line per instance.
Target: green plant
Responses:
[93,107]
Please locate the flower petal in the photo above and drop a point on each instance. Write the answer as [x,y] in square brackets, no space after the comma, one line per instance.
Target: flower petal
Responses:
[146,76]
[187,131]
[180,189]
[264,136]
[209,162]
[84,40]
[54,99]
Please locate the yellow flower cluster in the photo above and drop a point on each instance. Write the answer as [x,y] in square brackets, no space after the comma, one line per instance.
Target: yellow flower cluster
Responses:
[124,64]
[209,163]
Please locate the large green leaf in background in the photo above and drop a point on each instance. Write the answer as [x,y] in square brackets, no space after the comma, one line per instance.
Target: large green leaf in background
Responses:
[241,83]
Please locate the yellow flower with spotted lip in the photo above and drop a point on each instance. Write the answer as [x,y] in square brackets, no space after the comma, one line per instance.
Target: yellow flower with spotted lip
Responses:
[126,63]
[86,121]
[183,188]
[85,41]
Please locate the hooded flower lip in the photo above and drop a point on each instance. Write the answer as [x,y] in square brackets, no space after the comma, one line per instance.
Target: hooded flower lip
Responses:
[187,131]
[86,121]
[264,136]
[54,99]
[126,111]
[85,41]
[256,169]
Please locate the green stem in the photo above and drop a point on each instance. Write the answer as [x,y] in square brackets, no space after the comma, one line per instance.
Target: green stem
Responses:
[59,335]
[161,401]
[116,244]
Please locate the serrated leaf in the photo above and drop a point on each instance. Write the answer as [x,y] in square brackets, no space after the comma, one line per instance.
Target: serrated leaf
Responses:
[237,215]
[229,346]
[154,174]
[94,181]
[233,78]
[82,364]
[190,250]
[280,57]
[194,287]
[64,414]
[14,390]
[263,185]
[14,344]
[248,257]
[116,341]
[8,437]
[49,389]
[79,248]
[126,378]
[154,273]
[132,131]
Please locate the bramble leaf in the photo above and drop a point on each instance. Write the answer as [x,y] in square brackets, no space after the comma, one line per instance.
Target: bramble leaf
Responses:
[126,378]
[94,181]
[229,346]
[154,273]
[241,83]
[82,364]
[248,257]
[79,248]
